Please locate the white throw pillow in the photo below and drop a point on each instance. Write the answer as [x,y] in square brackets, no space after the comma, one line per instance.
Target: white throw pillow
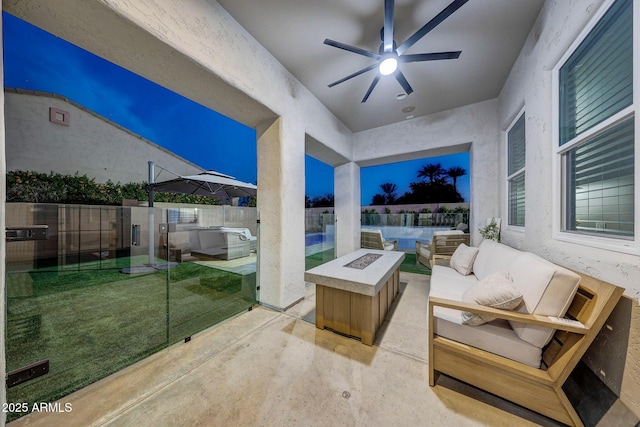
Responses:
[497,291]
[462,259]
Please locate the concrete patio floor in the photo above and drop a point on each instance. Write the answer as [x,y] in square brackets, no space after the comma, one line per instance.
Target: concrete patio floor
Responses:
[271,368]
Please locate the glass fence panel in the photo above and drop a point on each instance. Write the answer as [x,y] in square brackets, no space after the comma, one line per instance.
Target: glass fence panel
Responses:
[108,287]
[319,238]
[212,267]
[69,302]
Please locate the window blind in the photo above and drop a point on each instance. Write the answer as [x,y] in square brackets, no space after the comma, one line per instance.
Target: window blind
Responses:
[516,142]
[596,82]
[600,198]
[516,200]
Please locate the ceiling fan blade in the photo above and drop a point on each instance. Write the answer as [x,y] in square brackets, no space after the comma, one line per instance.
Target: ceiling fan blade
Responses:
[357,73]
[403,82]
[350,48]
[429,56]
[373,84]
[388,26]
[455,5]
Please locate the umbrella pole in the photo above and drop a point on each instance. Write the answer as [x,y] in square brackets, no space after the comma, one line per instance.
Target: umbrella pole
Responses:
[151,214]
[152,179]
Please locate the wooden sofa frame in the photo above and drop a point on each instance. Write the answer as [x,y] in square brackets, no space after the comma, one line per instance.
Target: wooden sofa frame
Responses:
[371,239]
[537,389]
[442,247]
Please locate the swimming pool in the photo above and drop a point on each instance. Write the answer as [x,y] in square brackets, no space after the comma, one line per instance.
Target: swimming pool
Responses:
[406,236]
[316,238]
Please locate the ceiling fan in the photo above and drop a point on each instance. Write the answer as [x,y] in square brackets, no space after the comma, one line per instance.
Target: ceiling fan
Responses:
[389,54]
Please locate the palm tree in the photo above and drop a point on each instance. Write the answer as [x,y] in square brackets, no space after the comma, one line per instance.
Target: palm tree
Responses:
[433,171]
[389,189]
[454,173]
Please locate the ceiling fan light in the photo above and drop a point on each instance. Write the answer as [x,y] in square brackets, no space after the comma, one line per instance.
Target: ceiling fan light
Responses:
[388,66]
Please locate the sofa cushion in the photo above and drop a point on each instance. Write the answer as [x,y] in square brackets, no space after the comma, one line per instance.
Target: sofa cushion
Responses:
[497,291]
[462,259]
[243,233]
[493,257]
[388,246]
[449,284]
[548,292]
[496,337]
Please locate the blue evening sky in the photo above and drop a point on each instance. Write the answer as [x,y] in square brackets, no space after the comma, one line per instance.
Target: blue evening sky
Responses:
[401,174]
[37,60]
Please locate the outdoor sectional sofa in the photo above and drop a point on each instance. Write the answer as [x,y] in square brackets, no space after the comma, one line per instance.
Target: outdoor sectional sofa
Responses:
[526,353]
[218,242]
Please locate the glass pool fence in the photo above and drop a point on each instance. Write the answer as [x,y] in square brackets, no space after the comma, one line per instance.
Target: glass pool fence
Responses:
[92,289]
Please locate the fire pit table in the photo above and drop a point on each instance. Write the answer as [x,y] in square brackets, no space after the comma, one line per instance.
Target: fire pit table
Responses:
[354,292]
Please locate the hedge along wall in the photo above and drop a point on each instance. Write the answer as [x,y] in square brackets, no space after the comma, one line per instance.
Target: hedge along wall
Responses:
[37,187]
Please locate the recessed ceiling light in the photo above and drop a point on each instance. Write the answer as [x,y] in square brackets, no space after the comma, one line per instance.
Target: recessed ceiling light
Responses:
[408,109]
[401,96]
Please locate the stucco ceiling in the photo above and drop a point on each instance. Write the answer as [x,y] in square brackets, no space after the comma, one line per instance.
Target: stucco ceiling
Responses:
[490,34]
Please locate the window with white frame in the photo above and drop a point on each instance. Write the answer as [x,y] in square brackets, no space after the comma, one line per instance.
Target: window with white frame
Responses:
[516,148]
[596,129]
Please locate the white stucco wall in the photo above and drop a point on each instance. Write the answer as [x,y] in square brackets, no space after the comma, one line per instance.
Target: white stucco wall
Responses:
[529,85]
[90,145]
[281,238]
[347,208]
[472,128]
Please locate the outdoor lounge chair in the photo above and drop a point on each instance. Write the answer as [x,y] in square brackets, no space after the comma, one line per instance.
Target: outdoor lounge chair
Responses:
[372,239]
[442,245]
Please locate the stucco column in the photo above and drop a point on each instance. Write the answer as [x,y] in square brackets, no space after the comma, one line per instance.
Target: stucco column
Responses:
[347,207]
[281,212]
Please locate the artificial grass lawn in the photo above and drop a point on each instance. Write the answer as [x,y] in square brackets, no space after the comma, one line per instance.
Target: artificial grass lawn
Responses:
[90,324]
[318,258]
[409,265]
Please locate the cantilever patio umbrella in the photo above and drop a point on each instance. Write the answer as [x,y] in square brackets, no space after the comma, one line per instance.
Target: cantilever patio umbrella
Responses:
[209,183]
